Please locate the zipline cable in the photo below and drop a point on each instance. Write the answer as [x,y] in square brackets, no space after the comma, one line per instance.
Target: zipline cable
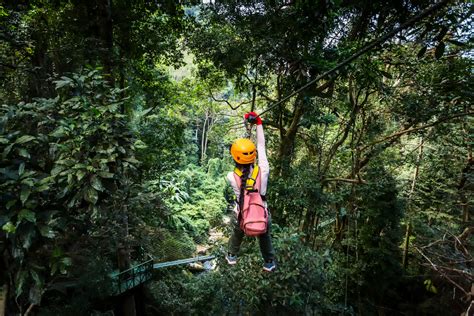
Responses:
[362,51]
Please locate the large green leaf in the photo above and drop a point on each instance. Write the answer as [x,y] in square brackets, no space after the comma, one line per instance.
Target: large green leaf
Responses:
[46,231]
[56,170]
[7,150]
[21,169]
[28,215]
[97,184]
[20,280]
[24,139]
[10,204]
[105,174]
[80,174]
[25,193]
[24,153]
[9,227]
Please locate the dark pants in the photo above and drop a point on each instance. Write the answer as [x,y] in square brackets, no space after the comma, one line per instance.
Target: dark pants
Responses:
[265,240]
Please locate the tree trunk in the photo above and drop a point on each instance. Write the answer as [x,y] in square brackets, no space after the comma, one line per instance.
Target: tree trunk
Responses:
[287,141]
[204,139]
[406,245]
[416,173]
[107,37]
[124,262]
[465,173]
[3,299]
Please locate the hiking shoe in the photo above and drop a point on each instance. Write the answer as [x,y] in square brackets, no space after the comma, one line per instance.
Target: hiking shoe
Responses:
[269,266]
[231,259]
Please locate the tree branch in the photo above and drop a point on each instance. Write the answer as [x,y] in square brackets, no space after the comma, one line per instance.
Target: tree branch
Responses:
[227,102]
[355,181]
[435,267]
[414,129]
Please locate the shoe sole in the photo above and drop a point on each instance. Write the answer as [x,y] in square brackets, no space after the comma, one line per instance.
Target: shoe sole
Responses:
[269,269]
[231,262]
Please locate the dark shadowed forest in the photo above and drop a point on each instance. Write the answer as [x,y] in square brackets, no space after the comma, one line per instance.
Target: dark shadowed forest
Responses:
[116,119]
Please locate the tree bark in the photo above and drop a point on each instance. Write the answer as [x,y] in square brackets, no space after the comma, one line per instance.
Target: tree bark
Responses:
[287,140]
[3,299]
[465,173]
[124,262]
[204,138]
[416,173]
[107,37]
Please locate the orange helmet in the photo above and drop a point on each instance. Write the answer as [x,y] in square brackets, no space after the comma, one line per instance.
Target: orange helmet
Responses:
[243,151]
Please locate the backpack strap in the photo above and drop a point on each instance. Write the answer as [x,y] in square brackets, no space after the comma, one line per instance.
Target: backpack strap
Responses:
[251,180]
[238,172]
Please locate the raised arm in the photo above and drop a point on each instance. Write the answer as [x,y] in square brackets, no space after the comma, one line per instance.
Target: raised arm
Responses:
[262,160]
[262,154]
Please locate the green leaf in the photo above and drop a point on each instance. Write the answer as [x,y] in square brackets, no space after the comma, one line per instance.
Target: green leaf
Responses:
[132,160]
[3,12]
[3,140]
[66,261]
[28,215]
[20,281]
[46,231]
[10,204]
[64,82]
[58,132]
[91,195]
[35,295]
[24,153]
[439,50]
[25,193]
[80,174]
[46,180]
[56,170]
[54,268]
[7,150]
[57,252]
[42,188]
[24,139]
[9,227]
[430,286]
[21,169]
[36,277]
[105,174]
[27,177]
[28,236]
[97,184]
[140,144]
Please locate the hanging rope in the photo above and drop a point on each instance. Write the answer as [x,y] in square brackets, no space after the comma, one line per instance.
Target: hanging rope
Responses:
[361,52]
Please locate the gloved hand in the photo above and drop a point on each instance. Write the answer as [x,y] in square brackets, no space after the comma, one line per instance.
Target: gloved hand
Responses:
[253,117]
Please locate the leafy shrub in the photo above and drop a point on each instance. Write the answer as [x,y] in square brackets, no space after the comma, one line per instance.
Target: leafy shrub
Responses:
[63,178]
[194,198]
[296,287]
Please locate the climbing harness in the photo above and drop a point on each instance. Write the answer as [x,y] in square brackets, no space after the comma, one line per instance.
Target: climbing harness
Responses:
[250,182]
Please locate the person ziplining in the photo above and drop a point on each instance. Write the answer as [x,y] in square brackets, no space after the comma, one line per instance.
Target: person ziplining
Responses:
[249,182]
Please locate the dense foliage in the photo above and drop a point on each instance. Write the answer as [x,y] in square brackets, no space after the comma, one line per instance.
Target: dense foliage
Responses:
[116,117]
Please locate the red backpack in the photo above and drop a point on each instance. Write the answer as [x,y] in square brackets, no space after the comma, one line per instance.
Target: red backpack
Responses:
[253,216]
